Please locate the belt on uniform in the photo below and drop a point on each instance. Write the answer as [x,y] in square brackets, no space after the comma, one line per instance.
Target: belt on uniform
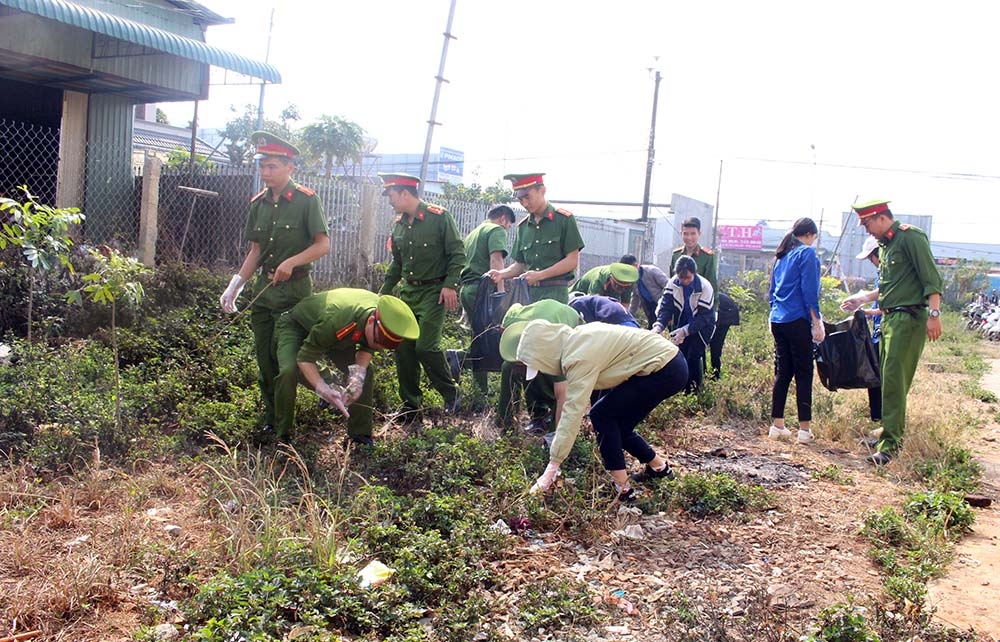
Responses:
[551,283]
[911,310]
[440,279]
[296,274]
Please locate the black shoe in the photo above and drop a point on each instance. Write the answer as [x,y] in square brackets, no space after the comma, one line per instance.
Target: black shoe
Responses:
[648,474]
[361,440]
[879,459]
[454,364]
[868,442]
[627,496]
[538,425]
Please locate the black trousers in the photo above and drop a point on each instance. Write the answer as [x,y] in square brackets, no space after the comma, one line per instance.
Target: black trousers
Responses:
[793,358]
[715,348]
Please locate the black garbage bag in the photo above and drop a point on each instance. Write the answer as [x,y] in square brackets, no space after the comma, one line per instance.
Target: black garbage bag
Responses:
[847,358]
[516,291]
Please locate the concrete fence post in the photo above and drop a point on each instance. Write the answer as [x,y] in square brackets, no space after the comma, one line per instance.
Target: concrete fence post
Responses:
[149,210]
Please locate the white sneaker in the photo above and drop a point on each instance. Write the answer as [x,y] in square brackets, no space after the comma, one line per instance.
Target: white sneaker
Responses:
[779,433]
[805,436]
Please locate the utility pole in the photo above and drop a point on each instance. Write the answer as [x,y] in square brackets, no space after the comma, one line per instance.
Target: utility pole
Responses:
[652,151]
[260,101]
[437,94]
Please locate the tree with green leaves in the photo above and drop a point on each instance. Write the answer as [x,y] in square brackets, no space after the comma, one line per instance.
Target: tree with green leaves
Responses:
[237,131]
[116,278]
[161,117]
[333,140]
[43,234]
[492,195]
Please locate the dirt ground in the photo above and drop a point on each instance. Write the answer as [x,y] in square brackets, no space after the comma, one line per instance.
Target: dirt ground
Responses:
[799,556]
[968,595]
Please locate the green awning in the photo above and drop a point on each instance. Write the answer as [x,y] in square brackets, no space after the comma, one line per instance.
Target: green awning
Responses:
[144,35]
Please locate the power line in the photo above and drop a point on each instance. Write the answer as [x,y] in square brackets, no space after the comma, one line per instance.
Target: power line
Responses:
[966,176]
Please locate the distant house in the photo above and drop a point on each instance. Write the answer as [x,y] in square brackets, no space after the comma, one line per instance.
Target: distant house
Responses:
[157,139]
[71,72]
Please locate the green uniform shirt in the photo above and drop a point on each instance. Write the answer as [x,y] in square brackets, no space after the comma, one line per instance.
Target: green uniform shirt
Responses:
[542,244]
[481,242]
[597,281]
[335,320]
[425,249]
[907,274]
[547,310]
[706,260]
[284,228]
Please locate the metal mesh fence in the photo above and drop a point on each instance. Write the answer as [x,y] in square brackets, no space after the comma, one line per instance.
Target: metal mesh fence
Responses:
[201,210]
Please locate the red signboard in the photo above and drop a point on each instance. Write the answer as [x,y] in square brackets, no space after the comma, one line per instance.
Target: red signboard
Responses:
[741,237]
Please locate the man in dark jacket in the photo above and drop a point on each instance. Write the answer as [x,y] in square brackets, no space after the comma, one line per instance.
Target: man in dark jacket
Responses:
[729,315]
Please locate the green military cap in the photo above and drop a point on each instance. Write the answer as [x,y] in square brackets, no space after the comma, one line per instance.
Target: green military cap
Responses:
[871,208]
[624,273]
[395,319]
[510,338]
[398,180]
[521,182]
[270,145]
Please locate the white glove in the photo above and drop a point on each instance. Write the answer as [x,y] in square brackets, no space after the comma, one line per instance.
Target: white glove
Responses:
[818,331]
[852,303]
[678,335]
[333,396]
[228,298]
[543,483]
[355,383]
[657,328]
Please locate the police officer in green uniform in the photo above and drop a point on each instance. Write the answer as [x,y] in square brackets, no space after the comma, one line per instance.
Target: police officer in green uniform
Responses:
[548,243]
[543,395]
[909,295]
[287,231]
[428,257]
[346,326]
[705,259]
[615,280]
[547,254]
[485,249]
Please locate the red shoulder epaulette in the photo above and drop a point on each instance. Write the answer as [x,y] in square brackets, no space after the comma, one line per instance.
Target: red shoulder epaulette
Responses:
[308,191]
[258,195]
[904,226]
[707,250]
[564,212]
[346,330]
[678,249]
[435,209]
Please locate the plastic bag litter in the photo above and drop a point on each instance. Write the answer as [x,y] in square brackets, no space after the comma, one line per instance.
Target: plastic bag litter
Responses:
[374,574]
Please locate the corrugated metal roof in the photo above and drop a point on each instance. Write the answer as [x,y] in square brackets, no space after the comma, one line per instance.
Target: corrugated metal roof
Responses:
[144,35]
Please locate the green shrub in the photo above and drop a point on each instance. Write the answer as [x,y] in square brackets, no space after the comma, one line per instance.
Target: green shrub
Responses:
[843,622]
[943,513]
[702,495]
[887,528]
[554,603]
[955,471]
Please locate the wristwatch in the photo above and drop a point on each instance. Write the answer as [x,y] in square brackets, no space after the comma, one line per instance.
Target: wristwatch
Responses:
[934,313]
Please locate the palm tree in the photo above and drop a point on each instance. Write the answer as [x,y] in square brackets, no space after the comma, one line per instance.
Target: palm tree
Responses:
[335,140]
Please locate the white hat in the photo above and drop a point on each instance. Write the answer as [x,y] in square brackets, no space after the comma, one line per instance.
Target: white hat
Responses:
[871,244]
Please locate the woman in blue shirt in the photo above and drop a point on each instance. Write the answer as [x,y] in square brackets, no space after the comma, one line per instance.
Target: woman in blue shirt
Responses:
[795,325]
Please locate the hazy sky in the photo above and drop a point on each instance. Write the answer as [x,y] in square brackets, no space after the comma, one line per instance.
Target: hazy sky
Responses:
[808,105]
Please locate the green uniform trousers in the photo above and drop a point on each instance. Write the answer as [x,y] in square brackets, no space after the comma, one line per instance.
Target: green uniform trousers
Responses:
[426,350]
[468,298]
[903,338]
[264,314]
[289,336]
[539,394]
